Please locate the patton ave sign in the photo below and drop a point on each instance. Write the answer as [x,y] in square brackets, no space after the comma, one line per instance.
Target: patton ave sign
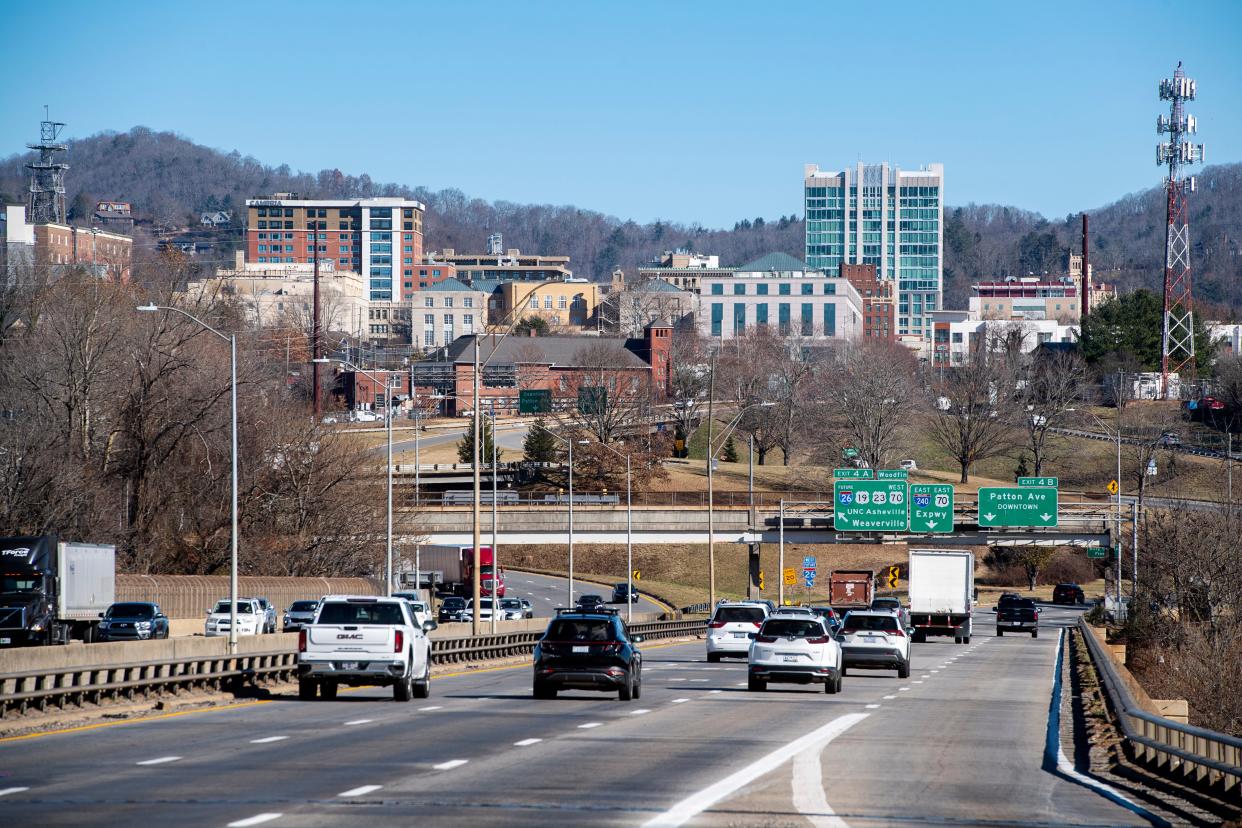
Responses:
[1005,506]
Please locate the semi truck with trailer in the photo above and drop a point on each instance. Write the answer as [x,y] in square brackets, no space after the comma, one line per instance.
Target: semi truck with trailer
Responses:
[942,589]
[53,591]
[451,570]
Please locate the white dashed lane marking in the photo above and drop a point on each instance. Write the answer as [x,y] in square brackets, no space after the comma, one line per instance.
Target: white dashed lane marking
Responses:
[7,791]
[257,819]
[450,764]
[527,742]
[361,791]
[268,739]
[872,706]
[589,725]
[160,761]
[358,722]
[679,701]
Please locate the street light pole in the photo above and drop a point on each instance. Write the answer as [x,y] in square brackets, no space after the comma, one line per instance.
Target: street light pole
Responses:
[476,594]
[495,551]
[570,443]
[629,535]
[232,340]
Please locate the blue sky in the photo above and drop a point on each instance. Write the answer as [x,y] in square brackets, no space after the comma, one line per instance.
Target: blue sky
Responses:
[685,111]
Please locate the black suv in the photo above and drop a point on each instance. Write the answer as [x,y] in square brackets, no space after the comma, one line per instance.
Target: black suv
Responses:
[453,609]
[1018,616]
[590,602]
[588,650]
[620,591]
[1068,594]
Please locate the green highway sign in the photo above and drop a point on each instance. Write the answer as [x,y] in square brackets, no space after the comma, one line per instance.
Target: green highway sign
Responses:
[1097,552]
[849,453]
[892,474]
[1038,482]
[1017,506]
[853,474]
[534,401]
[869,505]
[931,507]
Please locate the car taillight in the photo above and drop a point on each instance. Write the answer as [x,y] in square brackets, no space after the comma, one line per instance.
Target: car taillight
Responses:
[757,624]
[823,639]
[715,625]
[766,639]
[900,633]
[302,640]
[398,641]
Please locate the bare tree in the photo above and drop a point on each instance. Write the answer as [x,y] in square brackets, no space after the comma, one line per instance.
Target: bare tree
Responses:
[602,397]
[690,370]
[746,370]
[1053,386]
[971,418]
[869,393]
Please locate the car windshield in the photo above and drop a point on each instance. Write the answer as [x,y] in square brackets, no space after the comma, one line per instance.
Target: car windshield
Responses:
[565,629]
[511,603]
[793,628]
[130,611]
[303,606]
[368,613]
[744,615]
[454,603]
[242,607]
[886,603]
[883,623]
[590,599]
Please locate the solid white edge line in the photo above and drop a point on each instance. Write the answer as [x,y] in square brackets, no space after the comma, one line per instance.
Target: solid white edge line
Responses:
[360,791]
[7,791]
[257,819]
[695,804]
[1065,766]
[160,761]
[809,796]
[450,764]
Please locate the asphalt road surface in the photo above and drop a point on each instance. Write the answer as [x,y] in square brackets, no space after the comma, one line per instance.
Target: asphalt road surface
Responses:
[506,438]
[961,742]
[546,593]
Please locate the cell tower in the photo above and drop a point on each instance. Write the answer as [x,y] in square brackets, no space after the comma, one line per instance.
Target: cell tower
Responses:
[1177,343]
[46,203]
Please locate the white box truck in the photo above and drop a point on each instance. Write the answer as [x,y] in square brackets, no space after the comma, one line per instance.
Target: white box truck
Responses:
[942,591]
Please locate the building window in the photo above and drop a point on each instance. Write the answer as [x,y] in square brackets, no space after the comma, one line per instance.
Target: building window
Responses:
[467,321]
[717,289]
[429,302]
[761,290]
[739,318]
[561,303]
[429,319]
[830,319]
[448,301]
[783,290]
[739,290]
[547,303]
[830,289]
[534,303]
[467,302]
[761,312]
[808,290]
[782,318]
[717,317]
[429,337]
[435,273]
[808,319]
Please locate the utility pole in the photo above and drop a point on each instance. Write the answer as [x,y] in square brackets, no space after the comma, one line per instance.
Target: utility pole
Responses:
[315,333]
[711,536]
[475,425]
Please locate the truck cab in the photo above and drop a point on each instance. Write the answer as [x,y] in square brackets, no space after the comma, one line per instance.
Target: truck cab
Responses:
[52,591]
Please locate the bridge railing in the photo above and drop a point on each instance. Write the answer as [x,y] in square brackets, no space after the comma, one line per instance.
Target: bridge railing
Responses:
[1178,751]
[41,686]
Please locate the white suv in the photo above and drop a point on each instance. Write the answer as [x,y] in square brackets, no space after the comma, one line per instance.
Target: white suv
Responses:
[795,647]
[729,631]
[875,639]
[251,619]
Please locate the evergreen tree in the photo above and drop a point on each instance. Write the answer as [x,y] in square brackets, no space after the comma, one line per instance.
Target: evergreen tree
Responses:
[729,455]
[1021,470]
[465,446]
[539,446]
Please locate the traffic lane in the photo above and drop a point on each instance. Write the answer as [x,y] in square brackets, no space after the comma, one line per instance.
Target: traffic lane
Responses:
[547,592]
[965,743]
[282,752]
[506,438]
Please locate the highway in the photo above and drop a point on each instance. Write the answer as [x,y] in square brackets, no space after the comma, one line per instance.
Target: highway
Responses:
[546,592]
[961,742]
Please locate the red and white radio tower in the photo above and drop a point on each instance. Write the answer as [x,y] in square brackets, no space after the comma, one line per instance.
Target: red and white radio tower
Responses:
[1177,343]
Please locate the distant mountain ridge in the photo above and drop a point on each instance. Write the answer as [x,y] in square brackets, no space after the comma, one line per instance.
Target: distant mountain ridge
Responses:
[170,179]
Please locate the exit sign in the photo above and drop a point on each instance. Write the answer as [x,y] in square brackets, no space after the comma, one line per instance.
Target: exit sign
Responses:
[1038,482]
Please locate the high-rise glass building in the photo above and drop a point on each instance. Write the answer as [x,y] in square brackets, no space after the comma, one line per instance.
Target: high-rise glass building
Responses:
[884,216]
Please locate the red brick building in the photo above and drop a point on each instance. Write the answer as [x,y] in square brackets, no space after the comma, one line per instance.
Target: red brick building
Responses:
[879,307]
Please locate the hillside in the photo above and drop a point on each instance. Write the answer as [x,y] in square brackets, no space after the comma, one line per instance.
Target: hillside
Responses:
[171,179]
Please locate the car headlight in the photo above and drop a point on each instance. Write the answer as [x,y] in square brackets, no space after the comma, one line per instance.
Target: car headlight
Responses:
[143,625]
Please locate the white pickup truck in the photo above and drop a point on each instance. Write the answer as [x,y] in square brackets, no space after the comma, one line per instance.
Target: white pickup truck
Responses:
[251,618]
[364,640]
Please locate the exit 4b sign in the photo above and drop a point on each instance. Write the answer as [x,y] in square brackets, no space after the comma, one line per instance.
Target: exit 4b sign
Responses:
[1008,506]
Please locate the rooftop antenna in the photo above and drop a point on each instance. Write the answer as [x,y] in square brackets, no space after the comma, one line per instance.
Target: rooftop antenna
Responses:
[1177,341]
[46,199]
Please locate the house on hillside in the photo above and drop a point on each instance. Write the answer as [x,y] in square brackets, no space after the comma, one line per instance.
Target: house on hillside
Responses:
[216,218]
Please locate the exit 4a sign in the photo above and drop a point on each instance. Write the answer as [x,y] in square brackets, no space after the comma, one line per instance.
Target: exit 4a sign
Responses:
[1007,506]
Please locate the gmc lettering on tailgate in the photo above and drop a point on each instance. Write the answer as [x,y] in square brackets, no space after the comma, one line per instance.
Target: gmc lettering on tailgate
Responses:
[350,637]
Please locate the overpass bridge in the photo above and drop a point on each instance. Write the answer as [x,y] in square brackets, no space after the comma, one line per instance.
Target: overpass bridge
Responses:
[1081,523]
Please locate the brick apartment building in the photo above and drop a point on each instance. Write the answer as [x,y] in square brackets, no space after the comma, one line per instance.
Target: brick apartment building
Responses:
[60,246]
[879,306]
[379,238]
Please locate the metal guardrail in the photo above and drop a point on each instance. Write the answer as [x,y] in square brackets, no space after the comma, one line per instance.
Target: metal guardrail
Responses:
[1175,750]
[102,683]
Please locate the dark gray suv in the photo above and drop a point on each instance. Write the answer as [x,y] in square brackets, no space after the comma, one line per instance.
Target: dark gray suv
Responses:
[133,621]
[298,614]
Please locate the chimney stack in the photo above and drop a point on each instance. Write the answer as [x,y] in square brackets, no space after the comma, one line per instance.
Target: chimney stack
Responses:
[1086,270]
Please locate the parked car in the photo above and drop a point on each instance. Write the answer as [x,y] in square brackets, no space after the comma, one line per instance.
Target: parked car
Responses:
[298,614]
[728,631]
[1018,617]
[364,640]
[331,419]
[620,592]
[250,618]
[794,647]
[511,609]
[133,621]
[269,615]
[590,601]
[875,640]
[909,465]
[588,650]
[528,609]
[452,609]
[894,606]
[1068,594]
[1170,438]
